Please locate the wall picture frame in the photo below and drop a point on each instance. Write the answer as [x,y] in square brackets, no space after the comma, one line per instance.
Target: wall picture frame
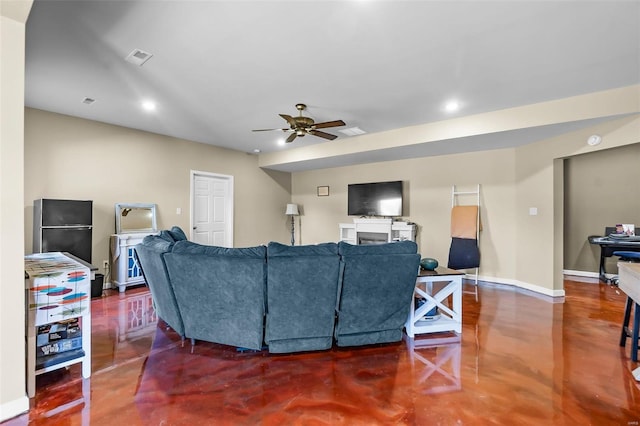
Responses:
[323,191]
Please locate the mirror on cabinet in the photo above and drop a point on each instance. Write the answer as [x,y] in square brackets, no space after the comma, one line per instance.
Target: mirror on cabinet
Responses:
[135,217]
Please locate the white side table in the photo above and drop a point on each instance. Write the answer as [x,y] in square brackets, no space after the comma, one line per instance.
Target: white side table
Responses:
[124,265]
[444,282]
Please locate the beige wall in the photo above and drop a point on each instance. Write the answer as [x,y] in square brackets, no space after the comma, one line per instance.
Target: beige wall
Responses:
[428,183]
[601,190]
[13,399]
[539,184]
[516,248]
[68,157]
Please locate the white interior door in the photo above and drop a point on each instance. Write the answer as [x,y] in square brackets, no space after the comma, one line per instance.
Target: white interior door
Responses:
[212,209]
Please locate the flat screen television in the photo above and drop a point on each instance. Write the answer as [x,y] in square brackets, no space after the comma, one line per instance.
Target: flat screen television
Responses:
[375,199]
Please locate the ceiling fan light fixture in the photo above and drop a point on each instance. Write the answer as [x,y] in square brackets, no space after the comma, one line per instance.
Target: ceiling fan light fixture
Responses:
[301,126]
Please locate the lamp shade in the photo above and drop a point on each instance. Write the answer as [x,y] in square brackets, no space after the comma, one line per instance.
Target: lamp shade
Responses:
[292,210]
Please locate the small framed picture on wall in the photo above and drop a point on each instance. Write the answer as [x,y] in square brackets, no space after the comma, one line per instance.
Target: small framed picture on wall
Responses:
[323,191]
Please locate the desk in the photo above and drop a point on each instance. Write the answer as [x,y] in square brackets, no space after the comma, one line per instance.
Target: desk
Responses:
[608,246]
[448,283]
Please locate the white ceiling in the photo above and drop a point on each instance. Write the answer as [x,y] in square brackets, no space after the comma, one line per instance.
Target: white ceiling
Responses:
[222,68]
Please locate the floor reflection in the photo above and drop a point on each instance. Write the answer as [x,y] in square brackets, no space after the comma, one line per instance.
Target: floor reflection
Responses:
[435,362]
[520,360]
[326,387]
[123,327]
[136,317]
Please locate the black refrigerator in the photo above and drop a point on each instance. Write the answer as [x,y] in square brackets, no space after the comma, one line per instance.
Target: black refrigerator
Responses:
[63,225]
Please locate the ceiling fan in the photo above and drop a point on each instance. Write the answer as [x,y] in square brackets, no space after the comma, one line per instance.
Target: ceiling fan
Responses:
[301,126]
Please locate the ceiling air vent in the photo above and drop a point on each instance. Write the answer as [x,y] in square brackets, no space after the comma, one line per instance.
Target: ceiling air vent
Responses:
[353,131]
[88,101]
[138,57]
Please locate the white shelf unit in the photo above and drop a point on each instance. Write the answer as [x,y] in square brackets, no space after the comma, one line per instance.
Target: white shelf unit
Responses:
[348,233]
[403,231]
[456,198]
[58,288]
[386,229]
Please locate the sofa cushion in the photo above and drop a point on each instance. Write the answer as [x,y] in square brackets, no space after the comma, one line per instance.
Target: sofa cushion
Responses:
[377,291]
[165,235]
[157,243]
[220,292]
[324,249]
[302,291]
[189,247]
[399,247]
[177,234]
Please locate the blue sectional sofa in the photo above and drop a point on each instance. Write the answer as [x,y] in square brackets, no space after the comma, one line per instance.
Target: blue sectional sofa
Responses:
[151,254]
[291,298]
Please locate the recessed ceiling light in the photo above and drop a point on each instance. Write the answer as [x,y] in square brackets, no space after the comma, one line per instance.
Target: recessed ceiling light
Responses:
[452,106]
[88,101]
[257,151]
[149,106]
[281,142]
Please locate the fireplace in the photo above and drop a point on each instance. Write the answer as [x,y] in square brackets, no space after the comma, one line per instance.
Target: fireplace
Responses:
[373,237]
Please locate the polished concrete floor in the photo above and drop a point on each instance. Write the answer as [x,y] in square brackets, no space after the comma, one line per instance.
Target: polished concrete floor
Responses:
[521,360]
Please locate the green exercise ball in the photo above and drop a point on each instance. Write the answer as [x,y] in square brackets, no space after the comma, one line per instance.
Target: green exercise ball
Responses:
[428,263]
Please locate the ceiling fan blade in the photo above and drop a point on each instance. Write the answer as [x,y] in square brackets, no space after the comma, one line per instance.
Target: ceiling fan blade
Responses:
[326,124]
[322,134]
[269,130]
[290,120]
[291,137]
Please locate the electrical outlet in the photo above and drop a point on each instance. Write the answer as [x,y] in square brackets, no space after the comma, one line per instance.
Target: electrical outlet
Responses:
[105,264]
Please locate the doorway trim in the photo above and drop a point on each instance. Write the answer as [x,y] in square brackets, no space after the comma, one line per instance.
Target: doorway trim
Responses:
[228,202]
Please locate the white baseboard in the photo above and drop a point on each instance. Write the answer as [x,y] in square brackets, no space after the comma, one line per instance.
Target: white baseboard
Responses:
[14,408]
[587,274]
[521,284]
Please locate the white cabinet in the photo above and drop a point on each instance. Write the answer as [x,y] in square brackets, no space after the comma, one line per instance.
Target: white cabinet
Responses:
[348,233]
[375,231]
[125,269]
[402,231]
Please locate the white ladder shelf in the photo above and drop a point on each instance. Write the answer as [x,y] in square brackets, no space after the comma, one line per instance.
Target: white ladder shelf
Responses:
[455,201]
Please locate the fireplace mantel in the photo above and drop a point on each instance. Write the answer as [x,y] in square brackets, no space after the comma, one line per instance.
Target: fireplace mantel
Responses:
[376,231]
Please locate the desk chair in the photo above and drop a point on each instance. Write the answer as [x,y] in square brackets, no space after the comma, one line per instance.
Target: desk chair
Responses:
[630,256]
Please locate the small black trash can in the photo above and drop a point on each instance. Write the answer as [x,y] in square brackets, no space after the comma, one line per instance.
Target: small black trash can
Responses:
[96,285]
